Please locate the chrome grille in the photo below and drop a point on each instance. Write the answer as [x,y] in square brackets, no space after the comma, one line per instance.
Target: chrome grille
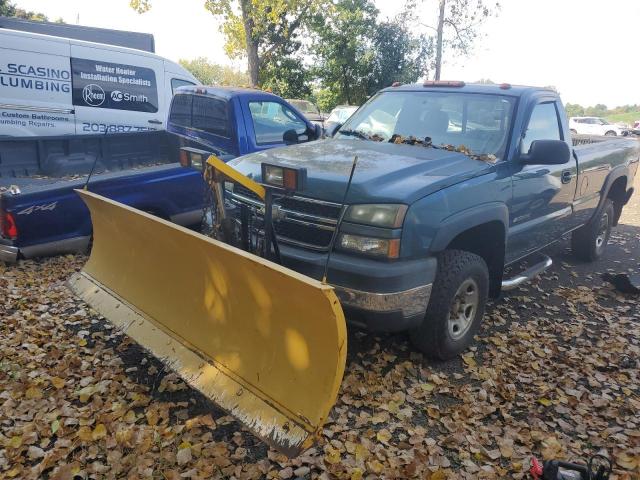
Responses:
[307,222]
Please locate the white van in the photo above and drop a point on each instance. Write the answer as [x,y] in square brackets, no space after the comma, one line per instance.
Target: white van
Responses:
[59,86]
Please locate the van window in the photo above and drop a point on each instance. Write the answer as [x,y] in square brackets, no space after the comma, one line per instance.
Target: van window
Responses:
[210,114]
[272,119]
[178,82]
[180,113]
[117,86]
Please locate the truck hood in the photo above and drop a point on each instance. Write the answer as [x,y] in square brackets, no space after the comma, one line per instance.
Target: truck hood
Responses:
[385,172]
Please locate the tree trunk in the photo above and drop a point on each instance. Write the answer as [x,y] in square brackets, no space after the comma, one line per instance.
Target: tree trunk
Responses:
[439,39]
[251,45]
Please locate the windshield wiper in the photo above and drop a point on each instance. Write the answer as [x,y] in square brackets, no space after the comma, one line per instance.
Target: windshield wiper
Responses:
[354,133]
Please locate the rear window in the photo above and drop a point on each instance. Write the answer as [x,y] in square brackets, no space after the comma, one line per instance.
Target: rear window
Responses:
[209,114]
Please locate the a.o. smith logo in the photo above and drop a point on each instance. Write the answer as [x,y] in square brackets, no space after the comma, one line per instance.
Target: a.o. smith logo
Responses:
[93,95]
[118,96]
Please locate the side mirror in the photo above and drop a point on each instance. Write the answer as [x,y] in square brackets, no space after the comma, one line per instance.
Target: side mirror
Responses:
[547,152]
[290,137]
[331,129]
[316,131]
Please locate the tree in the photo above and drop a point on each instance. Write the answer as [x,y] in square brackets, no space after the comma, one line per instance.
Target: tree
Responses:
[457,26]
[8,9]
[210,73]
[287,77]
[574,110]
[343,50]
[398,55]
[263,31]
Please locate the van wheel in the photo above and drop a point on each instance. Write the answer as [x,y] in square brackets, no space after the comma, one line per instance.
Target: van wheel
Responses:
[456,306]
[611,133]
[589,242]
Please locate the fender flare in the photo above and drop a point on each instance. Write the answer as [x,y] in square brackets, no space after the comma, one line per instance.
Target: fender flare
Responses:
[614,174]
[475,216]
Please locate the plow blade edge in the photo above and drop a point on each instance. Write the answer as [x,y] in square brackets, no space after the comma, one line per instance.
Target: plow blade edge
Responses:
[265,343]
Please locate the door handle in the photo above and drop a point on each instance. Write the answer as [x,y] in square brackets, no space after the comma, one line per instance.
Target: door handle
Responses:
[567,175]
[155,122]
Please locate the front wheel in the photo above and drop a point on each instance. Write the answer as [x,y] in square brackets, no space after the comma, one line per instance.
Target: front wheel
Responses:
[611,133]
[456,307]
[590,241]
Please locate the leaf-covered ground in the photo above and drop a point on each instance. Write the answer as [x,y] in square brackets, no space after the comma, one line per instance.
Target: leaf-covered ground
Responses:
[554,373]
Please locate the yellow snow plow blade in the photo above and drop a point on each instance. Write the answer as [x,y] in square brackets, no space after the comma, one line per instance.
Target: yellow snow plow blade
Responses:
[265,343]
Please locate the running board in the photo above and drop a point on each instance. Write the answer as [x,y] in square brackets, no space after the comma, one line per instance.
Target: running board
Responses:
[528,274]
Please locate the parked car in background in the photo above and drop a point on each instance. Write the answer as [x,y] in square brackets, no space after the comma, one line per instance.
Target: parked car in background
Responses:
[52,86]
[309,109]
[341,113]
[595,126]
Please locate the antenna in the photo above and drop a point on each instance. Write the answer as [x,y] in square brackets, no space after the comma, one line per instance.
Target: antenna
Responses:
[95,162]
[342,212]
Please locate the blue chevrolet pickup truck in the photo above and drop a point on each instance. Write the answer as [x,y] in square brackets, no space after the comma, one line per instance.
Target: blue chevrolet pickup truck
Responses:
[453,183]
[40,214]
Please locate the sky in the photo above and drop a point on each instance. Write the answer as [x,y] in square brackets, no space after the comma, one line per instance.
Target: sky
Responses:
[585,48]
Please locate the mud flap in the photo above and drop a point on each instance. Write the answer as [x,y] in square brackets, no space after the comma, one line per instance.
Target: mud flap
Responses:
[265,343]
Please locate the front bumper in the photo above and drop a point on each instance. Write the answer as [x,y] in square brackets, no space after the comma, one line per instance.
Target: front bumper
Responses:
[377,295]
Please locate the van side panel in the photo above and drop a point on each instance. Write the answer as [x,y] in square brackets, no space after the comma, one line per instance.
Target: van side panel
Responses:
[115,92]
[35,86]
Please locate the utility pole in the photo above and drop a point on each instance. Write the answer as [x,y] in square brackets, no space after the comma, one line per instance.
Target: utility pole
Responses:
[439,39]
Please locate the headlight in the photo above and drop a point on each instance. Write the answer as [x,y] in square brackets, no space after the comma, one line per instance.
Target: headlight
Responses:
[378,215]
[384,247]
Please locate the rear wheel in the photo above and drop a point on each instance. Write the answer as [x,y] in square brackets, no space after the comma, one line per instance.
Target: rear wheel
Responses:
[590,241]
[456,306]
[611,133]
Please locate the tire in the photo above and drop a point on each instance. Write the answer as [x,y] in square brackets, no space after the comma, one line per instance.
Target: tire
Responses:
[441,335]
[610,133]
[589,242]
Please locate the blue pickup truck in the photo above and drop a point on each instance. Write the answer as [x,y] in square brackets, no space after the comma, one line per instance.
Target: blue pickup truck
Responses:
[453,183]
[40,214]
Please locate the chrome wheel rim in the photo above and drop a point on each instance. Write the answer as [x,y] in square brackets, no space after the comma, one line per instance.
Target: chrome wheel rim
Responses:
[603,229]
[463,309]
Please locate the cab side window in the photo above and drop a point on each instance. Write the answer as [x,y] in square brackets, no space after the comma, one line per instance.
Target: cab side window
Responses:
[543,125]
[272,119]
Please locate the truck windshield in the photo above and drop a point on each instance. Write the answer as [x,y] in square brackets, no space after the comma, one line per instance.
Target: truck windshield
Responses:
[474,124]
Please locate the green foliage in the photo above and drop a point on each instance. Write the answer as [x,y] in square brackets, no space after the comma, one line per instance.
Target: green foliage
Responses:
[574,110]
[210,73]
[286,77]
[8,9]
[398,55]
[327,99]
[355,55]
[343,48]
